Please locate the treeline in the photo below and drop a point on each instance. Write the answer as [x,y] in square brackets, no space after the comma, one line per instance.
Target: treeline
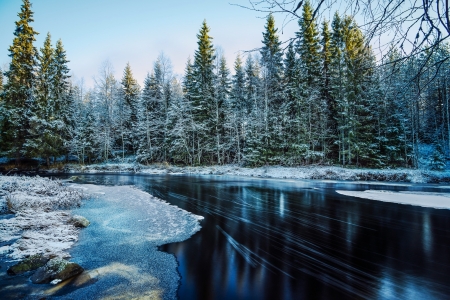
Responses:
[320,99]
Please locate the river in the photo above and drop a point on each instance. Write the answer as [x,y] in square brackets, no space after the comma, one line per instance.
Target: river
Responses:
[292,239]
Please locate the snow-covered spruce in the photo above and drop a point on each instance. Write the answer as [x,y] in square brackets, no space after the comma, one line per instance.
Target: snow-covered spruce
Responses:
[40,225]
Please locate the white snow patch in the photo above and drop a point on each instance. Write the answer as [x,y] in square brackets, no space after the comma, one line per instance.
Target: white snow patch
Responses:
[55,281]
[424,199]
[39,224]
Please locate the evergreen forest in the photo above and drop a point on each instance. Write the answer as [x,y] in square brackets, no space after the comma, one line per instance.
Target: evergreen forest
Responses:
[323,98]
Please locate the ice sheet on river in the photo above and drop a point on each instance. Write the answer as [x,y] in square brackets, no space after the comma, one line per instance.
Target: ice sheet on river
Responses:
[119,248]
[165,223]
[425,199]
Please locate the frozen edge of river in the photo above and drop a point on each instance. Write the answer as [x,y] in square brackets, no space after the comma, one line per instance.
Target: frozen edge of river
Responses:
[423,199]
[37,227]
[125,272]
[167,222]
[306,172]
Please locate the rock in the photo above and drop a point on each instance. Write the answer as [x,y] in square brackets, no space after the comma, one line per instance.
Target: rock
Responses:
[56,270]
[28,264]
[79,221]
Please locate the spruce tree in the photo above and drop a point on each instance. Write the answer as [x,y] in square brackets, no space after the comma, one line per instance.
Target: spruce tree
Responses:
[188,81]
[182,133]
[88,145]
[60,82]
[356,92]
[312,104]
[337,83]
[292,110]
[437,160]
[236,113]
[272,63]
[203,94]
[291,75]
[45,74]
[159,113]
[238,97]
[222,94]
[254,109]
[326,92]
[146,127]
[253,84]
[18,96]
[325,55]
[43,140]
[130,101]
[181,129]
[308,46]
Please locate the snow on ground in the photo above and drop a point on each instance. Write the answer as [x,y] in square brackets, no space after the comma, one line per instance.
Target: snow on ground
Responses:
[39,224]
[425,199]
[307,172]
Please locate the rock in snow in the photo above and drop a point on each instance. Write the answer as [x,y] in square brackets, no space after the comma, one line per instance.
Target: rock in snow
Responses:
[79,221]
[29,264]
[56,270]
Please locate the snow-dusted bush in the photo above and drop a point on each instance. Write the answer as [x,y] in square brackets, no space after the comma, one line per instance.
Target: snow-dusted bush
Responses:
[39,226]
[38,193]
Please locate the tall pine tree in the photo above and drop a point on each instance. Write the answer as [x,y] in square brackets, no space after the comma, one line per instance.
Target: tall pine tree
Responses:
[202,96]
[18,97]
[129,94]
[272,64]
[222,93]
[43,140]
[312,104]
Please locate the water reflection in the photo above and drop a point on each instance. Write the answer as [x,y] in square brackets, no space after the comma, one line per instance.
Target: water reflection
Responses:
[427,234]
[269,239]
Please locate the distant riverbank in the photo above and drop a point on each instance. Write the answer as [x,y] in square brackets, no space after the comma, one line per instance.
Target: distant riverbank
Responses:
[306,172]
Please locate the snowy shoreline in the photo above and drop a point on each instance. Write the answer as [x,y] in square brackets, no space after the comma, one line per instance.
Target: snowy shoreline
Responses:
[37,219]
[307,172]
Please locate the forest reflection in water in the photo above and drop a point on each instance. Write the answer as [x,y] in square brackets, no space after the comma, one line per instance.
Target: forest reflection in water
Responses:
[287,239]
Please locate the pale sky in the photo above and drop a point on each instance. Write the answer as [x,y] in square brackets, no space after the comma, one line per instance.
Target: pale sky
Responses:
[136,31]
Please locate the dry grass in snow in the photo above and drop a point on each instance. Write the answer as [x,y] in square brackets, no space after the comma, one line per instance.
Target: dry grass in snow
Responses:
[39,224]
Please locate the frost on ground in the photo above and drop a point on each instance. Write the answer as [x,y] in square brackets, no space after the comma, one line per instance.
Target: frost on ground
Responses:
[306,172]
[39,224]
[435,200]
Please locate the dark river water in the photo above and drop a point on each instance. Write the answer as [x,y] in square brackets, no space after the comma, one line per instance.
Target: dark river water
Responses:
[286,239]
[291,239]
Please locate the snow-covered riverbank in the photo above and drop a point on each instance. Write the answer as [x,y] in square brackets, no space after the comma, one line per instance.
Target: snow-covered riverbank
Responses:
[307,172]
[38,219]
